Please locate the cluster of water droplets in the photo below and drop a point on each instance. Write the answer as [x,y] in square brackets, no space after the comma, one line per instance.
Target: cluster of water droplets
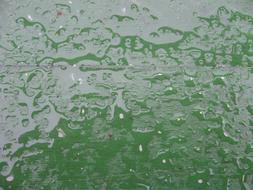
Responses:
[97,100]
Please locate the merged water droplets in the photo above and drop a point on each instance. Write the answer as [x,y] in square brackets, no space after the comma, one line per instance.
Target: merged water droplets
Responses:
[101,95]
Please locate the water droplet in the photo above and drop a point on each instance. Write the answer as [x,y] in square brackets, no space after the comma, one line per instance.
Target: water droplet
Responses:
[211,172]
[197,149]
[29,17]
[131,170]
[10,178]
[140,148]
[123,10]
[164,161]
[61,133]
[80,81]
[121,116]
[200,181]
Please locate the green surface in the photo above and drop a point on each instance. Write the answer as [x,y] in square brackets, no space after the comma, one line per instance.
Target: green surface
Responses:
[126,95]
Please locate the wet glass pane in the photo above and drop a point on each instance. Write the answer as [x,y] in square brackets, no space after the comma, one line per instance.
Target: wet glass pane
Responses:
[126,94]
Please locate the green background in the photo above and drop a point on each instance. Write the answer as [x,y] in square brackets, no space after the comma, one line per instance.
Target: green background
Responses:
[126,94]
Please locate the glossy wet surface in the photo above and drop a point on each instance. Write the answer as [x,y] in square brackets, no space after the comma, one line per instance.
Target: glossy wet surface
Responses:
[126,94]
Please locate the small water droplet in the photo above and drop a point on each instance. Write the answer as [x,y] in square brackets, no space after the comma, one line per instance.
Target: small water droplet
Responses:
[226,134]
[164,161]
[61,133]
[80,81]
[10,178]
[121,116]
[29,17]
[197,149]
[211,171]
[123,10]
[140,148]
[200,181]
